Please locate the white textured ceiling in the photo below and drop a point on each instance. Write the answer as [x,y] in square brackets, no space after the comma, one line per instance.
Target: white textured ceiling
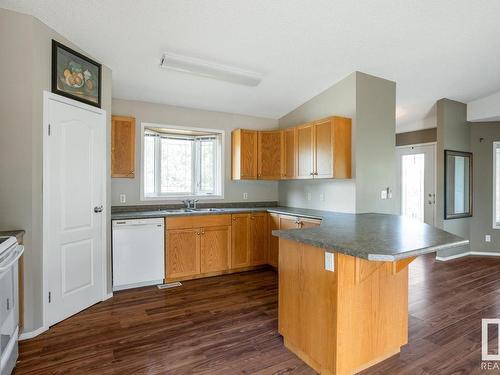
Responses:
[431,48]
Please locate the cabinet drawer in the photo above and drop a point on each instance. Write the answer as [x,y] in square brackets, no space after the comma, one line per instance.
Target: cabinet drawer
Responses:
[201,221]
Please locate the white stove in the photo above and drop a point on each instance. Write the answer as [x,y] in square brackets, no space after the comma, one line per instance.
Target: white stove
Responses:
[10,252]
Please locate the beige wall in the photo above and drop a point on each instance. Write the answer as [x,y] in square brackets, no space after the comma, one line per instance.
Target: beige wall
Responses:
[172,115]
[370,102]
[482,137]
[25,74]
[416,137]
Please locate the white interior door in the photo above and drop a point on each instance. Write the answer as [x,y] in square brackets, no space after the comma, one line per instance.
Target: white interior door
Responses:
[416,178]
[74,197]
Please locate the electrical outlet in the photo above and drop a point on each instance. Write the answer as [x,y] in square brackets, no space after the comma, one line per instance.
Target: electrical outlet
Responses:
[322,197]
[487,238]
[329,261]
[308,196]
[383,194]
[123,198]
[245,196]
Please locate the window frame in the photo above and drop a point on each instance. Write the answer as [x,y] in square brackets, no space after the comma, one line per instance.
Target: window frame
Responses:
[220,170]
[496,225]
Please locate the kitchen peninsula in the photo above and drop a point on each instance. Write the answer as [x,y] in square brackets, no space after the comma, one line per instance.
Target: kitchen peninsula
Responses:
[343,287]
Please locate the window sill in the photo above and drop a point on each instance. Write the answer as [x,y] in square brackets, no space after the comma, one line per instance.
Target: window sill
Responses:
[182,197]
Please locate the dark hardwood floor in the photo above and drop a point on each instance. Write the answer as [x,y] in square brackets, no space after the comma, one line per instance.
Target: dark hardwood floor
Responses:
[227,325]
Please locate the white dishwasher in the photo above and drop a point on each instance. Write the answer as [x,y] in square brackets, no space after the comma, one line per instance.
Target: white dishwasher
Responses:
[138,253]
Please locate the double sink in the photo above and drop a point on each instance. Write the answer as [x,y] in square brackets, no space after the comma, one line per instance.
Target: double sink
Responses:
[182,210]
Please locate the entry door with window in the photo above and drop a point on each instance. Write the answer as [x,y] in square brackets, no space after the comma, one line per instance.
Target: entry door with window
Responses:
[74,194]
[416,175]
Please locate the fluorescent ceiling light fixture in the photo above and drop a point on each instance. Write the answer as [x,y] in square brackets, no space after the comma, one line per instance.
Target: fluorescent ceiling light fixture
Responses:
[209,69]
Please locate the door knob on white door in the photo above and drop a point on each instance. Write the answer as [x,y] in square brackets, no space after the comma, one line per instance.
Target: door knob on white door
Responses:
[98,209]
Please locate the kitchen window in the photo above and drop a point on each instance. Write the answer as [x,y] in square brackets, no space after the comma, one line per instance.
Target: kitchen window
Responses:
[181,163]
[496,184]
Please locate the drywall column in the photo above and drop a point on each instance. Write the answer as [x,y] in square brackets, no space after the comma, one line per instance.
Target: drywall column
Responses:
[453,133]
[375,144]
[370,102]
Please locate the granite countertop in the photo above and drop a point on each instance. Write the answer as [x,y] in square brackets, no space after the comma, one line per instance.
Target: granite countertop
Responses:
[16,233]
[377,237]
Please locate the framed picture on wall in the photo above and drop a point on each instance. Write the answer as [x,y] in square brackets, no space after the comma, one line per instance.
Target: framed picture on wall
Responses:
[75,75]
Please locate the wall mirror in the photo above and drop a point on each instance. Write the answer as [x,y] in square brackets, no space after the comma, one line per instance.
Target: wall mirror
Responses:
[457,184]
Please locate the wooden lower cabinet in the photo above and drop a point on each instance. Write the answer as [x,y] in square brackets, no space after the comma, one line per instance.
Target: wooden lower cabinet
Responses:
[258,238]
[249,234]
[200,246]
[277,221]
[273,251]
[215,248]
[183,253]
[240,246]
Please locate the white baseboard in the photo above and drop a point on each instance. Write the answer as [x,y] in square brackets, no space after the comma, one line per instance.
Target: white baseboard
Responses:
[31,334]
[107,296]
[468,253]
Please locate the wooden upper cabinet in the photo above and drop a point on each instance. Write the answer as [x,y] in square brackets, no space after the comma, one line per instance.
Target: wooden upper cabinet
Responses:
[323,149]
[332,139]
[258,238]
[342,147]
[240,241]
[289,153]
[270,151]
[305,151]
[122,146]
[319,149]
[244,150]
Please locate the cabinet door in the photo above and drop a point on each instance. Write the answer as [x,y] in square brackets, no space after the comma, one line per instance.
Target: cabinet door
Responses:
[274,224]
[290,153]
[122,146]
[270,151]
[215,248]
[240,251]
[305,148]
[258,238]
[323,150]
[244,154]
[182,253]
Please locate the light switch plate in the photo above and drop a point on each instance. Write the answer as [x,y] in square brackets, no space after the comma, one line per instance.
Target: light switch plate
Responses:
[322,197]
[329,261]
[487,238]
[245,196]
[308,195]
[123,198]
[383,194]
